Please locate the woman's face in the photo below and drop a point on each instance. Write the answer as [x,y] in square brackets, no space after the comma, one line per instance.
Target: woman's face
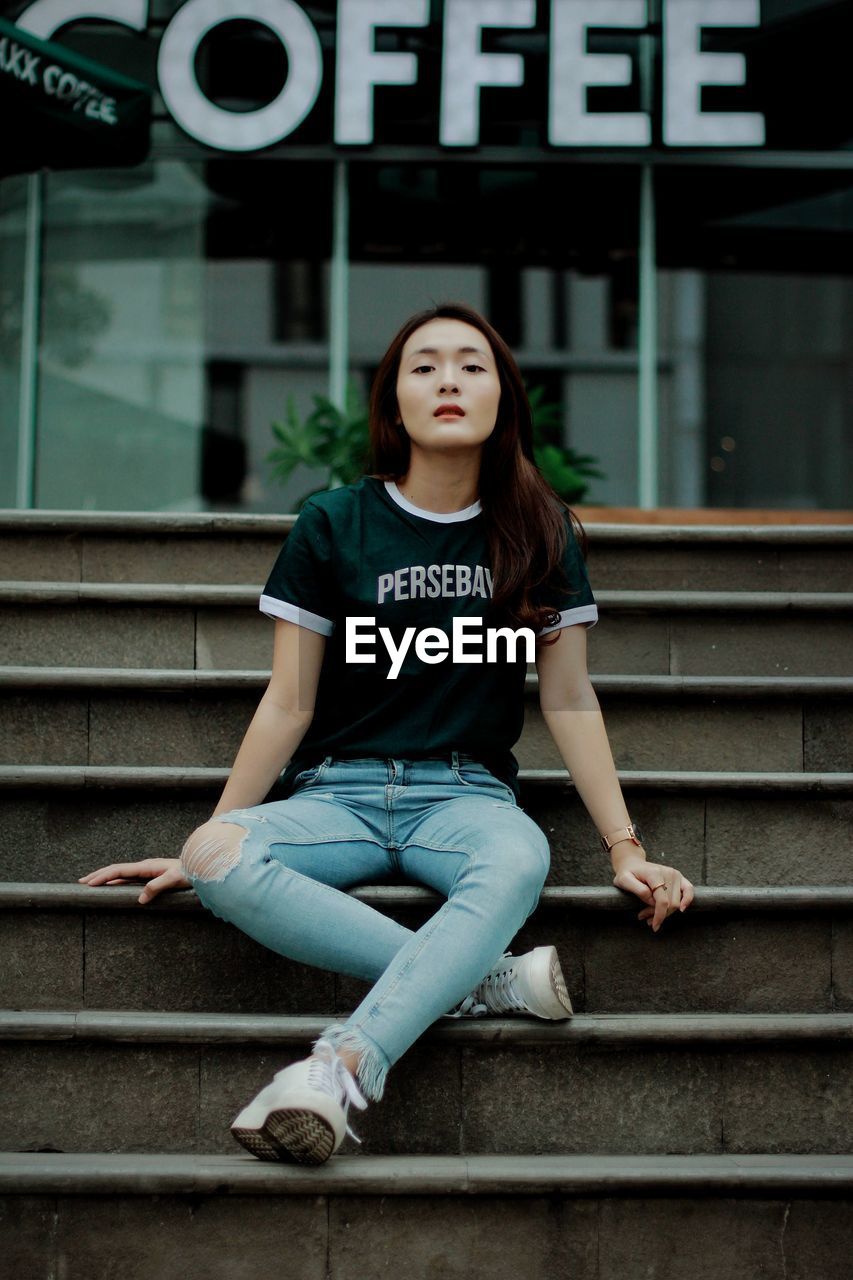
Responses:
[448,387]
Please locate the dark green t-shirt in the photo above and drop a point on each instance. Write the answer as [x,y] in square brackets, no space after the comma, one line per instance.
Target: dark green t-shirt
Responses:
[364,551]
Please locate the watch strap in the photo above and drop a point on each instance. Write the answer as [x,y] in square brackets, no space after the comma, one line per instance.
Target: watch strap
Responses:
[631,832]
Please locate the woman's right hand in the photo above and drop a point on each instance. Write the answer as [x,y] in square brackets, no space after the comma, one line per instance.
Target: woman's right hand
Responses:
[161,873]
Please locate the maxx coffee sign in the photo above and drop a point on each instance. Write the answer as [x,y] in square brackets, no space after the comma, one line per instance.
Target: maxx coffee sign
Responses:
[473,53]
[62,110]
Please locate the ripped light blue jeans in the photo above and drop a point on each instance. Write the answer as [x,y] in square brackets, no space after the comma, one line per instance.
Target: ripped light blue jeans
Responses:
[280,871]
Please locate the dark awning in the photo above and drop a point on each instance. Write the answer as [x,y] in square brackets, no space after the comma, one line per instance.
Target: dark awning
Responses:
[60,110]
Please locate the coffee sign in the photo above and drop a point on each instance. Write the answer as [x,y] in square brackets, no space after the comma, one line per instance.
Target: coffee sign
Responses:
[466,68]
[55,81]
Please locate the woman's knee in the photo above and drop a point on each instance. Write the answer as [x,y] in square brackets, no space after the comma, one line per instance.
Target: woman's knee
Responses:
[524,860]
[212,851]
[535,862]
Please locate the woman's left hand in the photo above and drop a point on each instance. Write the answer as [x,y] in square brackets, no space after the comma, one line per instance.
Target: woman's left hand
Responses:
[663,889]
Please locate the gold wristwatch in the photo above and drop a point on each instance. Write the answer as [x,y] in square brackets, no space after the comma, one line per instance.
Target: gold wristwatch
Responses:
[631,832]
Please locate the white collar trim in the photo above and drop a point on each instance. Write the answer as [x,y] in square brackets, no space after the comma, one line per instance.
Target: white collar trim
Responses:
[441,517]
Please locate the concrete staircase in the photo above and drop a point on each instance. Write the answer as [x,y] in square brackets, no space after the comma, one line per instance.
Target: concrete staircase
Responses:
[695,1117]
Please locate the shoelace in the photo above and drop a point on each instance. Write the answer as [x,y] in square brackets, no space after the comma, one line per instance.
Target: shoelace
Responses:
[498,991]
[332,1076]
[469,1008]
[495,994]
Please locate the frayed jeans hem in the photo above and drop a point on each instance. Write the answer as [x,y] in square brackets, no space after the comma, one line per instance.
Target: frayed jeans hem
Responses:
[373,1065]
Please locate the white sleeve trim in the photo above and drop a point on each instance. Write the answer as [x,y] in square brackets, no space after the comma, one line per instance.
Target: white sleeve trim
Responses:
[274,608]
[585,613]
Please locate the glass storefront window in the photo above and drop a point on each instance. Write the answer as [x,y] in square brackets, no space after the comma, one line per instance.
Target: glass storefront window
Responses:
[180,305]
[756,319]
[121,356]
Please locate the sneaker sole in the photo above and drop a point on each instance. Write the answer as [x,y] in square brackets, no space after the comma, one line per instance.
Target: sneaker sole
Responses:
[558,985]
[257,1142]
[301,1136]
[556,1004]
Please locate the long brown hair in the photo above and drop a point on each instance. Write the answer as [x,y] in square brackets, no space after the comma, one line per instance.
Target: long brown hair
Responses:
[527,523]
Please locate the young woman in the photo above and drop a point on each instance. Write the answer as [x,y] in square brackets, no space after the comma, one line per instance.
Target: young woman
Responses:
[388,596]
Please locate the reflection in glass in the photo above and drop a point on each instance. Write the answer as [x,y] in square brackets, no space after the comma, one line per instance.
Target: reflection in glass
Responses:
[759,376]
[121,362]
[182,305]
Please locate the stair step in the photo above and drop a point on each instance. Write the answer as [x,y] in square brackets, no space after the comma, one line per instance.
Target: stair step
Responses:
[784,1085]
[58,822]
[191,626]
[104,716]
[183,680]
[240,548]
[173,1216]
[247,595]
[736,950]
[219,547]
[669,780]
[61,1173]
[745,898]
[614,1030]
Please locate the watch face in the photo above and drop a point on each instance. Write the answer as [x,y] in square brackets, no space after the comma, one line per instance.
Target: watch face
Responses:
[638,835]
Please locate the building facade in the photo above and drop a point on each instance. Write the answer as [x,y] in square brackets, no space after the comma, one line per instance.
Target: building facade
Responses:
[651,199]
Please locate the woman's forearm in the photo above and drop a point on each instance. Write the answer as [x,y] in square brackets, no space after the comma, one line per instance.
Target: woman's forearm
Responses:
[581,739]
[270,742]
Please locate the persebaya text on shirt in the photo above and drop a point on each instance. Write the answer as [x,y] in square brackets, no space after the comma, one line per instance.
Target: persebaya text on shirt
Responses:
[447,581]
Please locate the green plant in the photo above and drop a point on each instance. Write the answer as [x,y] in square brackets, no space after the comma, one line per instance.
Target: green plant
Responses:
[330,439]
[336,441]
[567,472]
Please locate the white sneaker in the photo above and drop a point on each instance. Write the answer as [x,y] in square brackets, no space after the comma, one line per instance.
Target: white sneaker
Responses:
[302,1114]
[532,983]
